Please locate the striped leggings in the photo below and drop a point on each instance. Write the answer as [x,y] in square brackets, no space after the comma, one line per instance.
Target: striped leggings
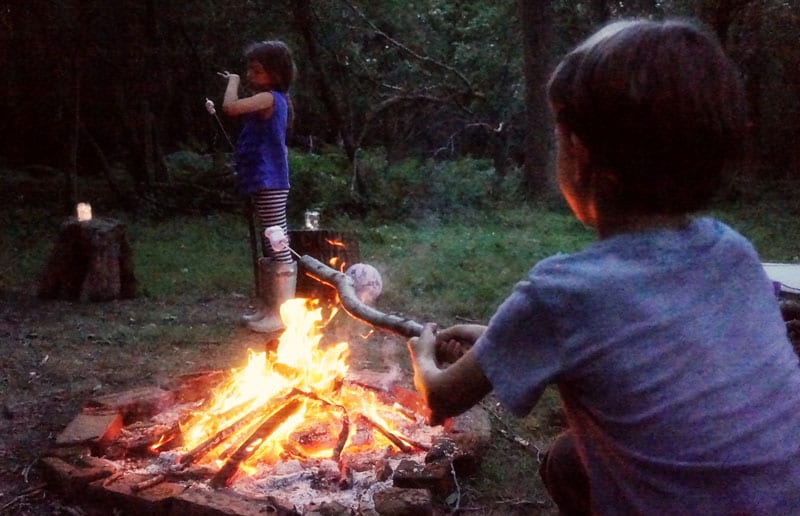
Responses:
[270,207]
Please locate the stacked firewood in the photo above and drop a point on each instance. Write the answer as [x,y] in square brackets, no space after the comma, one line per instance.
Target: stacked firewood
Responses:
[790,309]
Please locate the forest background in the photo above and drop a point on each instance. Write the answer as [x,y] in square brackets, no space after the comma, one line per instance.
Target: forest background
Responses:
[117,91]
[420,125]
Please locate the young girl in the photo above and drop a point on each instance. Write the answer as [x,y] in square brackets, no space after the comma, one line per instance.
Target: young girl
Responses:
[262,165]
[664,338]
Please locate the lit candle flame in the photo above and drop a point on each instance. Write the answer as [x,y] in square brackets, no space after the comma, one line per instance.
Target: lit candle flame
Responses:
[83,211]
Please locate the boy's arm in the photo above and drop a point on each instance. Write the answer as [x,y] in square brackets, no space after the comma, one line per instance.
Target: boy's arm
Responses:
[451,391]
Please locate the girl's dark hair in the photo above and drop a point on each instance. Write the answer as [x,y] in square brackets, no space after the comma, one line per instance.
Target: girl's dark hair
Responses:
[657,103]
[276,58]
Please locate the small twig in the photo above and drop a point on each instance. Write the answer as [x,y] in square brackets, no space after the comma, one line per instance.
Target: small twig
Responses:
[523,502]
[27,470]
[386,433]
[148,483]
[215,440]
[458,487]
[113,478]
[21,496]
[511,436]
[467,320]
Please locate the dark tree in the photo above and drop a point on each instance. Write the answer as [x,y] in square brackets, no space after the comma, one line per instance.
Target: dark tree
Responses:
[537,26]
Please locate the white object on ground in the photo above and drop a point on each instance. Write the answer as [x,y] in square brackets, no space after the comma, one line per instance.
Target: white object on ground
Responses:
[210,107]
[367,282]
[787,274]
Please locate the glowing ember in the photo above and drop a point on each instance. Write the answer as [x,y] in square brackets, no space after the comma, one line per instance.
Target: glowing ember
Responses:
[293,403]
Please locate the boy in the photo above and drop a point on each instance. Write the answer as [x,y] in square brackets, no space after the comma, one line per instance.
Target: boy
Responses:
[663,338]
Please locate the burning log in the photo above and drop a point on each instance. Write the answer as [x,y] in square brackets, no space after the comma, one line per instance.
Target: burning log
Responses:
[215,440]
[344,433]
[225,475]
[353,305]
[403,443]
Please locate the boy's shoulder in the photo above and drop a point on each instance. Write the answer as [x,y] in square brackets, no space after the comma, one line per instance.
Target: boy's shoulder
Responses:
[703,239]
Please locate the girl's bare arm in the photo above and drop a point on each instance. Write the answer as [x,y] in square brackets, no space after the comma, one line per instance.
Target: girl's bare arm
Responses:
[232,105]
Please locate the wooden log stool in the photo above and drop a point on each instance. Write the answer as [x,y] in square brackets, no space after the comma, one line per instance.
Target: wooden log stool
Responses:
[336,249]
[91,261]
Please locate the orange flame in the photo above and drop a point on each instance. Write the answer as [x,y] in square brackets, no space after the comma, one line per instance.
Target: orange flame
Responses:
[336,243]
[331,417]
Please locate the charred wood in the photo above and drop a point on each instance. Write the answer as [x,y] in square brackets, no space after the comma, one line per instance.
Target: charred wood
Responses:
[215,440]
[225,475]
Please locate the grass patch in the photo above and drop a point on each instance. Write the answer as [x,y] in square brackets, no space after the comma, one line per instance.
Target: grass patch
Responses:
[194,256]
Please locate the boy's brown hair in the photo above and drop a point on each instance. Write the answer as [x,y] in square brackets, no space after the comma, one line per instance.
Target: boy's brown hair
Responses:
[659,105]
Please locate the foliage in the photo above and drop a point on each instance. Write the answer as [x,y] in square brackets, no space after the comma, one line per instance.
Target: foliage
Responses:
[319,182]
[89,90]
[470,265]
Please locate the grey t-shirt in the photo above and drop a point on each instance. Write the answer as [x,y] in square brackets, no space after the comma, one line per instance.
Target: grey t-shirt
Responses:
[673,365]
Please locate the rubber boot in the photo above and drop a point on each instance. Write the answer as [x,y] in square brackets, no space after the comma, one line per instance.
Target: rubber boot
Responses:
[277,282]
[255,316]
[261,285]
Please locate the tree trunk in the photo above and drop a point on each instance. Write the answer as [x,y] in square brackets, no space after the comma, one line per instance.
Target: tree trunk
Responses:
[71,170]
[91,261]
[303,24]
[537,22]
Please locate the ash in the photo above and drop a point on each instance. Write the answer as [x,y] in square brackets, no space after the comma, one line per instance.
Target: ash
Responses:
[307,484]
[302,484]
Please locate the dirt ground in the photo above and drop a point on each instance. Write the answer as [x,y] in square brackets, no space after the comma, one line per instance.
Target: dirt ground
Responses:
[58,354]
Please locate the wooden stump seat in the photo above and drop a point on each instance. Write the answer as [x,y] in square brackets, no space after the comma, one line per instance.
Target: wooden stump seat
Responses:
[91,261]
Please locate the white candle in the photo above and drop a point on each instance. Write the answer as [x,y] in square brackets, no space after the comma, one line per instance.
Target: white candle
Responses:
[84,211]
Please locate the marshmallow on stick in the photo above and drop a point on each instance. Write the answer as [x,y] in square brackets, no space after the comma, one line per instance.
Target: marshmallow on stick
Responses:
[277,238]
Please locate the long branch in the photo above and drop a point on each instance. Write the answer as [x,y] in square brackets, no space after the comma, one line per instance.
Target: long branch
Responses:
[353,305]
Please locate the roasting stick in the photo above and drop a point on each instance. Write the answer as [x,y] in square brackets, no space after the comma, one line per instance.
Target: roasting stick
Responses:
[346,289]
[213,112]
[248,212]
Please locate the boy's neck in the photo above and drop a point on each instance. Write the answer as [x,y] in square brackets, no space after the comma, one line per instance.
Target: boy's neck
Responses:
[640,223]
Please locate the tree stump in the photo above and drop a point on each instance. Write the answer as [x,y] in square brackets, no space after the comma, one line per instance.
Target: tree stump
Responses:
[91,261]
[336,249]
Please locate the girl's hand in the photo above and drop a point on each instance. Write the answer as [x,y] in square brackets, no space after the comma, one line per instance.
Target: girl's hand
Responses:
[227,75]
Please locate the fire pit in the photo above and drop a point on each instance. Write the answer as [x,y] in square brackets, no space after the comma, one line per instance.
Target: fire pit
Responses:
[294,431]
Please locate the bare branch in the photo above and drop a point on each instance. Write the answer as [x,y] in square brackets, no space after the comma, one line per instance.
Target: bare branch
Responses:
[404,48]
[353,305]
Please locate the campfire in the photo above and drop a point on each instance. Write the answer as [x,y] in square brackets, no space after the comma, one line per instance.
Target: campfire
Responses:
[292,403]
[294,428]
